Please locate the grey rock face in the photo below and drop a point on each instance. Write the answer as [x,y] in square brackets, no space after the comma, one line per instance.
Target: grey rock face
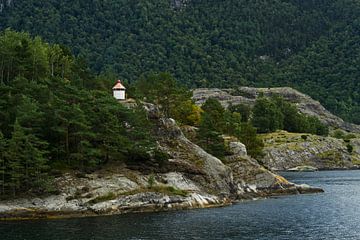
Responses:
[237,148]
[356,145]
[215,174]
[250,177]
[285,150]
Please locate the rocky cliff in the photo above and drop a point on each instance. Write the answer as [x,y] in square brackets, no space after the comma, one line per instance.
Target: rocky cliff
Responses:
[248,95]
[189,178]
[285,150]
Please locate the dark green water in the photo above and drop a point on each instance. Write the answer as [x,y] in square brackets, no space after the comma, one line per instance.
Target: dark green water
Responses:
[332,215]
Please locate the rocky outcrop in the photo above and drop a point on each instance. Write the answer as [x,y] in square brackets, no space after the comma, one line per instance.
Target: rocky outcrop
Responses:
[112,193]
[190,178]
[253,180]
[213,174]
[284,151]
[247,95]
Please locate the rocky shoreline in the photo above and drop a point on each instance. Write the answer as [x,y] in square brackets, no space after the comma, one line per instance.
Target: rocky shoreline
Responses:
[189,178]
[30,209]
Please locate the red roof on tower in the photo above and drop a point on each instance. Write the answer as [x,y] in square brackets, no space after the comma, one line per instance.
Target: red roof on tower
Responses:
[118,85]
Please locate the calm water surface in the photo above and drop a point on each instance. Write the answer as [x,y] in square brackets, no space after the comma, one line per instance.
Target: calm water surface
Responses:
[332,215]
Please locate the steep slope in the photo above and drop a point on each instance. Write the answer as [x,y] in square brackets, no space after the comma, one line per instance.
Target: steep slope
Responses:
[309,45]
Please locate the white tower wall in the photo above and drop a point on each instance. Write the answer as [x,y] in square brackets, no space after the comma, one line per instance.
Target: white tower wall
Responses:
[119,94]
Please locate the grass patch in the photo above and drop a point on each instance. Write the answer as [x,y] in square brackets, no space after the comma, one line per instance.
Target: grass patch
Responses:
[168,190]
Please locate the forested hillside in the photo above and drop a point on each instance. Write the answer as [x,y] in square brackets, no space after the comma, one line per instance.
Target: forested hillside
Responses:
[52,117]
[311,45]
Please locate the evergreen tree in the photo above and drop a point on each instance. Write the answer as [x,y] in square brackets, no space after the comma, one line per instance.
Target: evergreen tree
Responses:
[309,45]
[212,107]
[232,121]
[267,117]
[246,133]
[29,115]
[163,90]
[209,138]
[243,110]
[26,160]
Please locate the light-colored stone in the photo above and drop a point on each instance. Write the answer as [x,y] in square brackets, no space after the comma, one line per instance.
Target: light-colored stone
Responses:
[237,148]
[303,169]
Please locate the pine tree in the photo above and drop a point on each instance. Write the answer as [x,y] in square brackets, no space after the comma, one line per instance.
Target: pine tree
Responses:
[163,90]
[246,133]
[267,116]
[26,161]
[29,115]
[16,157]
[209,138]
[215,112]
[244,110]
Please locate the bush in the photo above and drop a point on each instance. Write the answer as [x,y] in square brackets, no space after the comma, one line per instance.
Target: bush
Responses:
[161,157]
[338,134]
[267,117]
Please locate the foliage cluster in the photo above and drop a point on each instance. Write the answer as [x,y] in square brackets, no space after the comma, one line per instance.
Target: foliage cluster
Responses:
[173,98]
[271,114]
[217,121]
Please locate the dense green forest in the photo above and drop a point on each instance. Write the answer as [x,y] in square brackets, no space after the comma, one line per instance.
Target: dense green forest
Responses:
[313,46]
[55,116]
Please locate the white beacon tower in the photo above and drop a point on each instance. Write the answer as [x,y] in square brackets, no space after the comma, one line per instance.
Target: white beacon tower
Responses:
[119,91]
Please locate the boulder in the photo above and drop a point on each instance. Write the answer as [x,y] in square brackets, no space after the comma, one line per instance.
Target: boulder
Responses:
[238,148]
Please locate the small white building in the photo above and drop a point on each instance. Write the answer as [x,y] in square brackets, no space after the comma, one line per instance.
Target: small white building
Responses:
[119,91]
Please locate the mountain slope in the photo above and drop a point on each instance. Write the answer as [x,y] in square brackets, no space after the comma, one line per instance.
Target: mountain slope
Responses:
[309,45]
